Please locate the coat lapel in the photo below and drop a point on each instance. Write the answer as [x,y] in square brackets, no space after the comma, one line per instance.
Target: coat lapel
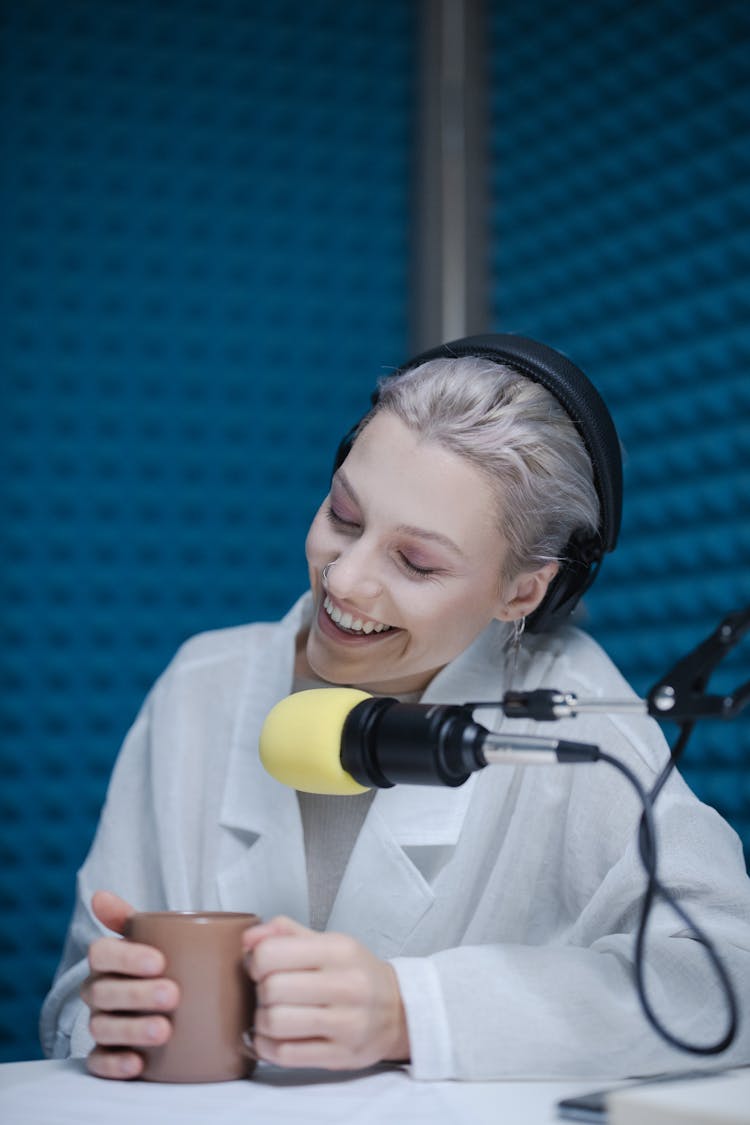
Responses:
[261,858]
[409,832]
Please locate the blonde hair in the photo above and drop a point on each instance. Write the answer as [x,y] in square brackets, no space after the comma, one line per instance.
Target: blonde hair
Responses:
[519,437]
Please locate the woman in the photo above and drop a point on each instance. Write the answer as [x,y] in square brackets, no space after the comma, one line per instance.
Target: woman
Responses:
[480,932]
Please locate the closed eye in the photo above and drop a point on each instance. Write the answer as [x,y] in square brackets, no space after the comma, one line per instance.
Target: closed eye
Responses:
[338,520]
[417,571]
[341,524]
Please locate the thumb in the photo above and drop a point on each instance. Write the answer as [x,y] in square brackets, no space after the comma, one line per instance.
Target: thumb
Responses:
[111,910]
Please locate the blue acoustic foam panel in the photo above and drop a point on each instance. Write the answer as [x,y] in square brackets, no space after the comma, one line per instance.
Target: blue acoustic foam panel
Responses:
[621,234]
[204,232]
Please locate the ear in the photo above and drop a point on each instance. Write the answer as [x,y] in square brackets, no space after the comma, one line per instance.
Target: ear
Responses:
[526,592]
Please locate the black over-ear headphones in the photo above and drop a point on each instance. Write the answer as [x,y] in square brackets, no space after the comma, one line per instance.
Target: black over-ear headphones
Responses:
[586,408]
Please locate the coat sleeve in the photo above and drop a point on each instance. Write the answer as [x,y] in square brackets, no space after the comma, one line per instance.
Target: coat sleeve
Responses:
[124,858]
[565,1004]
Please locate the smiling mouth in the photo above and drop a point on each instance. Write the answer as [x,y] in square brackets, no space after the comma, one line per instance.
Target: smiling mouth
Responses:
[350,624]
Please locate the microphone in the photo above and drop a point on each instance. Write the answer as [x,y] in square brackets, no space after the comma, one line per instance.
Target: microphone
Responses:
[344,741]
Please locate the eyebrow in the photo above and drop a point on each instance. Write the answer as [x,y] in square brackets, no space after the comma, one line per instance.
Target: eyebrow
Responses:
[403,528]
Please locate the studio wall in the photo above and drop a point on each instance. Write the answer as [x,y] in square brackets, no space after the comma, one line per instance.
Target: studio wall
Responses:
[204,229]
[621,235]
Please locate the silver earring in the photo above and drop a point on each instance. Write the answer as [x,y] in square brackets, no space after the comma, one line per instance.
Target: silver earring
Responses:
[518,628]
[324,574]
[514,647]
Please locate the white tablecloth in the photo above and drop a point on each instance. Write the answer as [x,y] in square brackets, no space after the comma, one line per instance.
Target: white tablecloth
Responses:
[62,1093]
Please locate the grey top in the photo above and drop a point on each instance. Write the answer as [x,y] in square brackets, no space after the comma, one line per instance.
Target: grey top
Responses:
[331,825]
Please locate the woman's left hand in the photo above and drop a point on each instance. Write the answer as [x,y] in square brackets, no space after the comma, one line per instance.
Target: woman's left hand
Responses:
[323,1000]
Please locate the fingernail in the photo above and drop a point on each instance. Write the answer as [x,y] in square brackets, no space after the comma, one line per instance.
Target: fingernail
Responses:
[128,1066]
[148,964]
[153,1030]
[163,995]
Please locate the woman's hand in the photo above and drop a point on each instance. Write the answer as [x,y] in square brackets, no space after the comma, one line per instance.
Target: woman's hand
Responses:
[323,1000]
[126,993]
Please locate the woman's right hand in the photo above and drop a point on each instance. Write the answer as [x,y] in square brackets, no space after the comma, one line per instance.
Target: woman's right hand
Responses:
[126,993]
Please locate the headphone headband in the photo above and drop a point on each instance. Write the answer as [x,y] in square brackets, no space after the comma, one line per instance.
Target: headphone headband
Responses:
[588,412]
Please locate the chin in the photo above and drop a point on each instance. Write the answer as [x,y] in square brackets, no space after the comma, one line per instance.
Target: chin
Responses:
[322,666]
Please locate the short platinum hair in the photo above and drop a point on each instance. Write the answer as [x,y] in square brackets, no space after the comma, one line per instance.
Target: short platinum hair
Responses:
[519,437]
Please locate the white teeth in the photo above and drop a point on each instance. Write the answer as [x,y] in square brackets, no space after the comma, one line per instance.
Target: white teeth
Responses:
[352,624]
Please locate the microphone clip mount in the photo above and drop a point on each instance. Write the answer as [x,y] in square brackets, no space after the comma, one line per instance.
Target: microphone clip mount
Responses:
[681,694]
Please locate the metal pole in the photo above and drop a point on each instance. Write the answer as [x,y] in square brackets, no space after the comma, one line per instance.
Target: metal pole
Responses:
[451,204]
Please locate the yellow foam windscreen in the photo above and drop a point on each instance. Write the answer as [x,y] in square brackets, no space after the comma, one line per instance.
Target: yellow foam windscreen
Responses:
[300,743]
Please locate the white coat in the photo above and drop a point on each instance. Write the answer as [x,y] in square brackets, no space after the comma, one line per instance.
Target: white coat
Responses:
[507,906]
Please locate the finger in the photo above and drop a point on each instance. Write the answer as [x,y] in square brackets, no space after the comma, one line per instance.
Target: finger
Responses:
[276,927]
[317,987]
[321,1054]
[111,910]
[290,1021]
[307,951]
[112,955]
[106,1063]
[129,1031]
[130,994]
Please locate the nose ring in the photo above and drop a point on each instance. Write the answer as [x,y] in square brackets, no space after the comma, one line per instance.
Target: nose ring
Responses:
[324,574]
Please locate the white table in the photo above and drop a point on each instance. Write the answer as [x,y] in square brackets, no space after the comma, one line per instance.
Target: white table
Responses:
[62,1093]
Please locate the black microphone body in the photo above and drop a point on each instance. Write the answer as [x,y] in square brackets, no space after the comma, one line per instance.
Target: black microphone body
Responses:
[385,743]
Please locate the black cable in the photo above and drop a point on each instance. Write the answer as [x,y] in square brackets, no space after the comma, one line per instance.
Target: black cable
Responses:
[654,889]
[675,754]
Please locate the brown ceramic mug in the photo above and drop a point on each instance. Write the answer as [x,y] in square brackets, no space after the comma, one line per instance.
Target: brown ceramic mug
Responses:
[203,951]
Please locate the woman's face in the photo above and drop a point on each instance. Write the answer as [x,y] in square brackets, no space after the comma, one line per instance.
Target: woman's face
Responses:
[411,531]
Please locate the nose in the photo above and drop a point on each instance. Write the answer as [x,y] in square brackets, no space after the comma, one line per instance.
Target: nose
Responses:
[353,575]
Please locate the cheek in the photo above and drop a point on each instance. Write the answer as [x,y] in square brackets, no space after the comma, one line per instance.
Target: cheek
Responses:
[447,622]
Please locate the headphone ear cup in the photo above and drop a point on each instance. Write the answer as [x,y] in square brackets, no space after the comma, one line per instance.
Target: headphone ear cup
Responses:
[587,410]
[578,569]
